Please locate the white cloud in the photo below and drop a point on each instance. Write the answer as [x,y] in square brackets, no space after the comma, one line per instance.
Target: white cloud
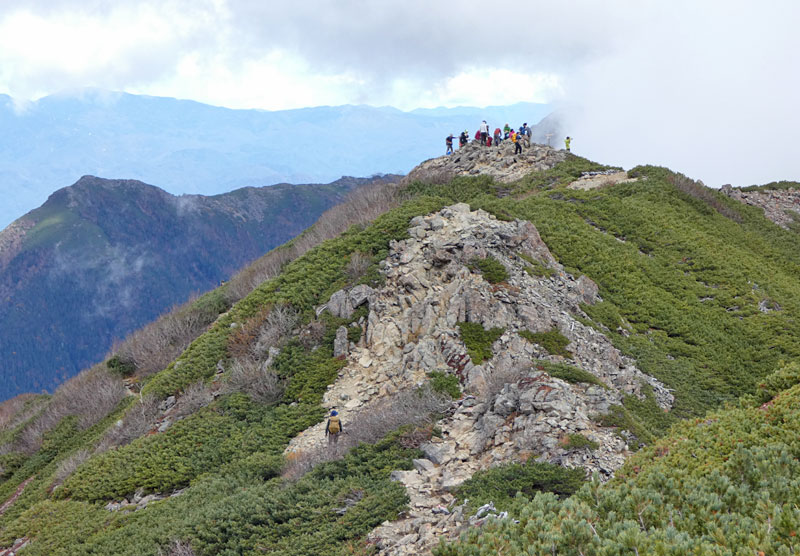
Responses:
[707,86]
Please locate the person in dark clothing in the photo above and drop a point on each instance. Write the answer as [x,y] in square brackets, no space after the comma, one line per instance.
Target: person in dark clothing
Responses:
[334,427]
[449,142]
[516,138]
[463,139]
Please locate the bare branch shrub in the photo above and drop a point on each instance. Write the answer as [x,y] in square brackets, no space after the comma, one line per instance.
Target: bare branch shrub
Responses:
[17,410]
[357,265]
[68,466]
[268,328]
[89,396]
[360,207]
[253,378]
[178,548]
[194,397]
[498,378]
[311,336]
[243,337]
[151,348]
[137,421]
[276,329]
[417,407]
[704,194]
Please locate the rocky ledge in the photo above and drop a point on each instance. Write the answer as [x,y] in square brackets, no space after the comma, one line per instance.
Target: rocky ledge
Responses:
[499,162]
[512,409]
[782,206]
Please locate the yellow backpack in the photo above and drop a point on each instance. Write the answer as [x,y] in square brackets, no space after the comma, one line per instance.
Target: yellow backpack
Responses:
[334,426]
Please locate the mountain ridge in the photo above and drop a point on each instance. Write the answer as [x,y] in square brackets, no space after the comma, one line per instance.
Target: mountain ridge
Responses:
[648,270]
[102,243]
[189,147]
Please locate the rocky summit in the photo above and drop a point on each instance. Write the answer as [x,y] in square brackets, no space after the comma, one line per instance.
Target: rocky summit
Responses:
[512,409]
[499,162]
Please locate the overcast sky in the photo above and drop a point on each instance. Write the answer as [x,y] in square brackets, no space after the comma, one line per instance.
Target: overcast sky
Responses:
[707,88]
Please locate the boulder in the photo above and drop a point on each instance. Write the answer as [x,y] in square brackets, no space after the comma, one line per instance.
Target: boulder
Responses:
[423,465]
[439,453]
[340,306]
[587,290]
[341,345]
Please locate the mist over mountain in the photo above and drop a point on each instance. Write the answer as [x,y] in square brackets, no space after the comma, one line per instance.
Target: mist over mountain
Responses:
[103,257]
[189,147]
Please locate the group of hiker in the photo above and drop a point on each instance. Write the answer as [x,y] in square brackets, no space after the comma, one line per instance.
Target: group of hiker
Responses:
[483,137]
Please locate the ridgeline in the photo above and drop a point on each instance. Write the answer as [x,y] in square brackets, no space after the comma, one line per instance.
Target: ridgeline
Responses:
[576,360]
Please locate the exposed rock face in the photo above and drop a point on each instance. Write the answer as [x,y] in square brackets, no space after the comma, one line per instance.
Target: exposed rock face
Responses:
[782,206]
[593,180]
[513,410]
[499,162]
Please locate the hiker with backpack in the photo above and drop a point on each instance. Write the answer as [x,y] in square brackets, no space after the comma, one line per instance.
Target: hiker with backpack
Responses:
[463,138]
[449,142]
[526,134]
[334,427]
[484,132]
[506,131]
[497,133]
[567,141]
[517,140]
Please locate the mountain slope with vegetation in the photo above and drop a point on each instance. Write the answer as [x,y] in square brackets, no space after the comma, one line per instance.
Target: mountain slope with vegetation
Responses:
[103,257]
[697,290]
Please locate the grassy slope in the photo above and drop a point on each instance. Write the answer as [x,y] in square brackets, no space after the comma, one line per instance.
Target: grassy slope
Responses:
[684,285]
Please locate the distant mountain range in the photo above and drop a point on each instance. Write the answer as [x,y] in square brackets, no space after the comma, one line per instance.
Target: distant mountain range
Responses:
[103,257]
[188,147]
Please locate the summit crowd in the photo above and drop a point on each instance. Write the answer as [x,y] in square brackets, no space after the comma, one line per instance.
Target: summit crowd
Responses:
[519,137]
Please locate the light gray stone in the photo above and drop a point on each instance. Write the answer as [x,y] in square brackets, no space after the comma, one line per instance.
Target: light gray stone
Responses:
[341,345]
[423,465]
[339,305]
[438,453]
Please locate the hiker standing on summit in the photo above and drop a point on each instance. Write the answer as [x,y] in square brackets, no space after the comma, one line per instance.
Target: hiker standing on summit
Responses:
[516,138]
[484,132]
[567,141]
[334,427]
[449,142]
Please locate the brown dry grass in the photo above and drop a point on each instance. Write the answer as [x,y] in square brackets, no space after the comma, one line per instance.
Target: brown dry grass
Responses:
[89,396]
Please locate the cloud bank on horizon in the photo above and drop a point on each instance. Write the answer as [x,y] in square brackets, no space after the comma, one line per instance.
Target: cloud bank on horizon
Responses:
[707,88]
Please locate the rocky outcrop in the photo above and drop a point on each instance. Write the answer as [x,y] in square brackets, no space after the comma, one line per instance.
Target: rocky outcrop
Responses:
[782,206]
[593,180]
[512,409]
[499,162]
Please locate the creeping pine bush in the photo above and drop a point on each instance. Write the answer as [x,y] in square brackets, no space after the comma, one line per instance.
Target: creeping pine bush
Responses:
[234,512]
[553,341]
[445,383]
[576,441]
[512,485]
[492,269]
[479,340]
[568,373]
[535,268]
